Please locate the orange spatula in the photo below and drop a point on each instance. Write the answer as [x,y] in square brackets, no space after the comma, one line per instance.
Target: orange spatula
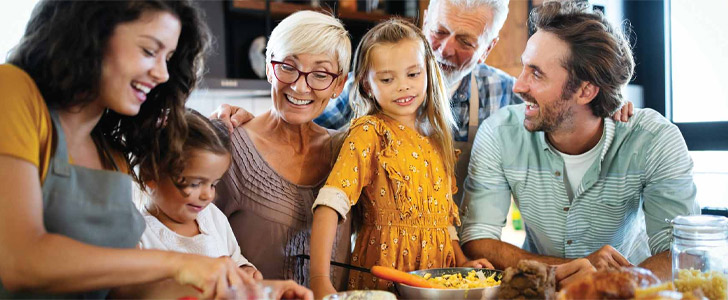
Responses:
[402,277]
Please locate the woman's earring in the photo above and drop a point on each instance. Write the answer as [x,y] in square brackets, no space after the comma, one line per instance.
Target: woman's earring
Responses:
[333,96]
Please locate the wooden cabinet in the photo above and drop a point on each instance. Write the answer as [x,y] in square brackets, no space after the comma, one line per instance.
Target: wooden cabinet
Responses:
[246,20]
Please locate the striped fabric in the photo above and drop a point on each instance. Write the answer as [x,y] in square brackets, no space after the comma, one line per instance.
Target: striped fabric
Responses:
[643,176]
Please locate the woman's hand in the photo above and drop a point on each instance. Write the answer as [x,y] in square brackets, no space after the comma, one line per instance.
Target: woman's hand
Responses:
[321,286]
[287,289]
[478,264]
[218,278]
[232,116]
[253,272]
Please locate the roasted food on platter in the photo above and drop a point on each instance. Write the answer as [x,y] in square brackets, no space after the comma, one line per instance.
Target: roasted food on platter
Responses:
[474,279]
[529,280]
[609,284]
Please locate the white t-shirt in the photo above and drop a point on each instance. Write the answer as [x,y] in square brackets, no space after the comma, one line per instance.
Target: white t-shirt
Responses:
[216,238]
[575,166]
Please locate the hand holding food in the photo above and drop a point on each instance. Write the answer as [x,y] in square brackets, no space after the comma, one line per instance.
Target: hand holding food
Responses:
[215,277]
[287,289]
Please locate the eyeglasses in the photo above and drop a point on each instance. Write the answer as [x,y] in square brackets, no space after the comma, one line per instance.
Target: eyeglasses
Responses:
[316,80]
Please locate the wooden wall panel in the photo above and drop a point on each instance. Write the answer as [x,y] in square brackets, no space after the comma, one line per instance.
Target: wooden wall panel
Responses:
[513,36]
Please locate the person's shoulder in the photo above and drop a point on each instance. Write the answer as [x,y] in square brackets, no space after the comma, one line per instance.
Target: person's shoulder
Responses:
[483,70]
[371,127]
[649,120]
[214,211]
[510,115]
[9,72]
[14,80]
[370,120]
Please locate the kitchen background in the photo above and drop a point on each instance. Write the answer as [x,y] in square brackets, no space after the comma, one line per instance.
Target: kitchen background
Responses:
[679,48]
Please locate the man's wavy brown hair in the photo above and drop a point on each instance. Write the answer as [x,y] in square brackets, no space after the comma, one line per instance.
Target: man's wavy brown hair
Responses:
[63,50]
[599,53]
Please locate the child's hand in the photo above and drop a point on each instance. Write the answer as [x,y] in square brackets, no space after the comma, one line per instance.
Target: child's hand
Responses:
[478,264]
[287,289]
[252,272]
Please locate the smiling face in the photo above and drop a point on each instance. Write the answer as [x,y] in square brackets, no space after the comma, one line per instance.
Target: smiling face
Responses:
[296,103]
[397,79]
[135,60]
[175,206]
[458,37]
[541,84]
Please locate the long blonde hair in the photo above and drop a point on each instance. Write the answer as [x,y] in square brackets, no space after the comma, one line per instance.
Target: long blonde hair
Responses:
[434,116]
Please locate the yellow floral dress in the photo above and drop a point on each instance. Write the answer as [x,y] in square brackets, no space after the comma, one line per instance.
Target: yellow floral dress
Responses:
[398,178]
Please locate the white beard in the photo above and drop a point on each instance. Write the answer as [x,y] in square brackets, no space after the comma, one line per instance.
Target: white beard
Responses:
[453,77]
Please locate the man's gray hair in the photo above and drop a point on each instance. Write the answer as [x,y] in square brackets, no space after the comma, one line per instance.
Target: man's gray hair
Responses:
[499,8]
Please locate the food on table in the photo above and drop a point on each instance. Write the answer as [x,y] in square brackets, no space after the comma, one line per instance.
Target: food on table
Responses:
[609,284]
[712,283]
[651,291]
[529,280]
[666,291]
[474,280]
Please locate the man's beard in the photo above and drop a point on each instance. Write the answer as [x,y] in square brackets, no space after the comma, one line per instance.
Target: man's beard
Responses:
[451,73]
[550,117]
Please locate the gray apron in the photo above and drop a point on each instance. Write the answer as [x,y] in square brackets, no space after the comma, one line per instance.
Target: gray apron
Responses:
[461,167]
[91,206]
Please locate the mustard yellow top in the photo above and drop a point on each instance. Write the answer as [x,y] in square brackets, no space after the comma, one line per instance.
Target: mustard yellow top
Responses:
[26,130]
[406,199]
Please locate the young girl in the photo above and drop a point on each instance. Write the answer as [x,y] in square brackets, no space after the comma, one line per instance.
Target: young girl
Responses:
[398,159]
[180,216]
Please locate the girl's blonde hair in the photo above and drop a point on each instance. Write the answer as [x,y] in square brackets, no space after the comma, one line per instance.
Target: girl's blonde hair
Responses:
[434,116]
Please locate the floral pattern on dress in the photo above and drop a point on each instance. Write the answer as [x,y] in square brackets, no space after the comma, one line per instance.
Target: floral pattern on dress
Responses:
[408,207]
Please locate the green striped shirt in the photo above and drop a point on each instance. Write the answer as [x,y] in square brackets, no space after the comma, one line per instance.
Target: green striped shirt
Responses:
[642,177]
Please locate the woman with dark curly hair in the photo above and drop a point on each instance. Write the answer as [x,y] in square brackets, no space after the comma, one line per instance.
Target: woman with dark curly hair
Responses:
[87,84]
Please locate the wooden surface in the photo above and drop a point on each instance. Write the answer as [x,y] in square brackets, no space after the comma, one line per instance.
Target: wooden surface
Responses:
[513,36]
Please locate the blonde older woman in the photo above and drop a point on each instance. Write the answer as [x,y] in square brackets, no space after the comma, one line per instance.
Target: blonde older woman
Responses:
[281,158]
